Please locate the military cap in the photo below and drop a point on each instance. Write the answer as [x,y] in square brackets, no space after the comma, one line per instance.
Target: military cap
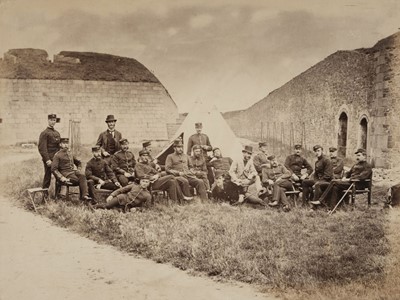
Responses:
[143,152]
[271,157]
[361,150]
[216,148]
[332,149]
[297,146]
[316,147]
[146,144]
[248,149]
[261,144]
[218,174]
[178,143]
[198,125]
[124,141]
[110,118]
[196,147]
[96,148]
[53,116]
[64,140]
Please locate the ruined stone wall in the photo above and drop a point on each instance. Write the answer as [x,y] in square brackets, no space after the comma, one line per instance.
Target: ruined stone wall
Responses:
[142,108]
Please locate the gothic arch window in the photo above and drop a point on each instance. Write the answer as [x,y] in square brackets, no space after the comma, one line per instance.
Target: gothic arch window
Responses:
[342,134]
[363,132]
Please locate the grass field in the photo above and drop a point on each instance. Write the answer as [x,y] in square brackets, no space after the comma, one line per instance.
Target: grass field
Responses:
[301,253]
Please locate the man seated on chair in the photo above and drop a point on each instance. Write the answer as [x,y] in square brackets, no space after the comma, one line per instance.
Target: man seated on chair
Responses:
[147,146]
[99,174]
[276,175]
[132,195]
[243,174]
[260,160]
[145,167]
[178,164]
[67,169]
[337,163]
[358,172]
[219,163]
[199,165]
[323,174]
[123,164]
[295,163]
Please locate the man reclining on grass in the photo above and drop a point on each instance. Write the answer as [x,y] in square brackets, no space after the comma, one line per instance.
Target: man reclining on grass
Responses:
[224,190]
[133,195]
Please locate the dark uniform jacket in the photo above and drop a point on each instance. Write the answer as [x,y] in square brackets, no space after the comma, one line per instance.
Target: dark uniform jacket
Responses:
[63,163]
[296,162]
[198,165]
[103,141]
[49,143]
[198,139]
[323,169]
[221,163]
[337,164]
[97,169]
[273,173]
[134,194]
[258,160]
[178,163]
[123,161]
[142,169]
[360,171]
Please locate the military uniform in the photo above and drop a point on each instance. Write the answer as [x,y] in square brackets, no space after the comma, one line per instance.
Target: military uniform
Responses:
[121,162]
[131,195]
[337,164]
[97,169]
[360,171]
[49,144]
[176,163]
[280,176]
[164,183]
[198,139]
[199,169]
[295,163]
[63,165]
[259,160]
[322,176]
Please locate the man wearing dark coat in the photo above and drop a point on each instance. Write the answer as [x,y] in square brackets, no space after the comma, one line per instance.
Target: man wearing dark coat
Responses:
[99,173]
[49,144]
[295,163]
[260,160]
[109,140]
[337,163]
[67,168]
[123,163]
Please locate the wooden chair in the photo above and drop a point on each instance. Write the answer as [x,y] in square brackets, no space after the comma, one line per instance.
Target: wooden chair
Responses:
[60,184]
[33,192]
[366,190]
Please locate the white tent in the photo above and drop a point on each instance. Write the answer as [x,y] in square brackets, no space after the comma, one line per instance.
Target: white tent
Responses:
[214,125]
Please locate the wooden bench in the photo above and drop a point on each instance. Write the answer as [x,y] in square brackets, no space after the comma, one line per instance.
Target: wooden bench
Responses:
[33,192]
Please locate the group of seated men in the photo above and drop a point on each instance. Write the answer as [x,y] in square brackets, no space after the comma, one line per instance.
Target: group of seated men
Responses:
[114,167]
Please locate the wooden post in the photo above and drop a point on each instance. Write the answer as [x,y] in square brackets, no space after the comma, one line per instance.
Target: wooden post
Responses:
[74,135]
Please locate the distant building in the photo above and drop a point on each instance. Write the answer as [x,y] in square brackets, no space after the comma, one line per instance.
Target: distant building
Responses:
[351,99]
[82,87]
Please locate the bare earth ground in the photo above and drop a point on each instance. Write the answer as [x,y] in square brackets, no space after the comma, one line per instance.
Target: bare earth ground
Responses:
[42,261]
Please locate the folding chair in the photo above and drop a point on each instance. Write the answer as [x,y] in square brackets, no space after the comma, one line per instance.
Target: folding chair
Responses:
[33,192]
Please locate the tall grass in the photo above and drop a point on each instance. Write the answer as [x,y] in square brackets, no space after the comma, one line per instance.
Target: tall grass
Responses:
[297,250]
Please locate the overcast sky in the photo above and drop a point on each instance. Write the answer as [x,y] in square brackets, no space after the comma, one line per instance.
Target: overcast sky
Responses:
[226,52]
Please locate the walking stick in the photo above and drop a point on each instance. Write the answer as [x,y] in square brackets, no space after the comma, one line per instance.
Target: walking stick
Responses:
[341,199]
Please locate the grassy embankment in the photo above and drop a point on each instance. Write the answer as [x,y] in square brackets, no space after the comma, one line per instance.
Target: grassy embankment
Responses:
[299,251]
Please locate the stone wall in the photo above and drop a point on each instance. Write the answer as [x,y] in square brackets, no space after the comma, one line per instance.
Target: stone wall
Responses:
[362,84]
[142,108]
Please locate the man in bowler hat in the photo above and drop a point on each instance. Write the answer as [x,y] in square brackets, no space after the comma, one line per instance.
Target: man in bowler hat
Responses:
[109,140]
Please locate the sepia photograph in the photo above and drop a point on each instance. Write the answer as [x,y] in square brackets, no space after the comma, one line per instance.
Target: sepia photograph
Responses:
[187,149]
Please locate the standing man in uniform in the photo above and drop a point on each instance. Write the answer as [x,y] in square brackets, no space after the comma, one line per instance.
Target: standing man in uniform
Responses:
[99,173]
[67,168]
[322,176]
[260,160]
[295,163]
[123,163]
[49,144]
[203,141]
[337,163]
[109,140]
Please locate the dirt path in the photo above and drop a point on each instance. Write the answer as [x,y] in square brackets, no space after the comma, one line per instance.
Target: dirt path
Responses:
[42,261]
